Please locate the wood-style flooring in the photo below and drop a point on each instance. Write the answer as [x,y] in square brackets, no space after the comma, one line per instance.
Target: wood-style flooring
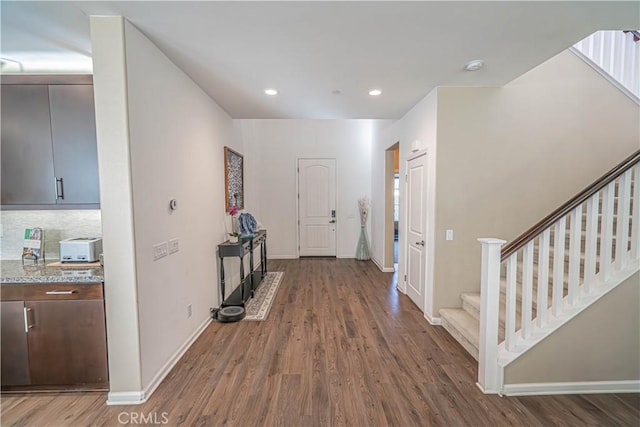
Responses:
[341,347]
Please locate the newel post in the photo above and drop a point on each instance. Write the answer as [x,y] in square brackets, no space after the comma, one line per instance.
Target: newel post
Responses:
[488,375]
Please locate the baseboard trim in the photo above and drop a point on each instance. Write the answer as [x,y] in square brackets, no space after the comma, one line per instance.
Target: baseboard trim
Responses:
[433,320]
[381,268]
[283,256]
[125,398]
[586,387]
[139,397]
[164,371]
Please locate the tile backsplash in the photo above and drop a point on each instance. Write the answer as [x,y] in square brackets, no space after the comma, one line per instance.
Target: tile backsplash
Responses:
[57,225]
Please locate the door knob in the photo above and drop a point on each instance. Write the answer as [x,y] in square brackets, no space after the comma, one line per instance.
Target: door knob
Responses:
[420,243]
[333,221]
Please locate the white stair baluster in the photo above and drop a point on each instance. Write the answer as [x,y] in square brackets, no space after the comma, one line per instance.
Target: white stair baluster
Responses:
[622,236]
[635,218]
[543,278]
[606,232]
[527,289]
[575,244]
[510,302]
[591,243]
[558,265]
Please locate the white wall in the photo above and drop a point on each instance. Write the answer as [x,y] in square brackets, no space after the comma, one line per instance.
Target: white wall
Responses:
[112,131]
[271,149]
[57,225]
[168,143]
[380,142]
[419,124]
[177,137]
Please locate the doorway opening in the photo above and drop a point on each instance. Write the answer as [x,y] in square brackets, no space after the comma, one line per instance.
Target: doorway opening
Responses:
[392,207]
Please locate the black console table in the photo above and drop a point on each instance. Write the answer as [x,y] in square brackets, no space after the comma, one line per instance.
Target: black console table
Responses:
[248,285]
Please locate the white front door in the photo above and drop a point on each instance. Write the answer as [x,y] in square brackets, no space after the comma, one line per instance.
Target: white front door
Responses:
[317,206]
[416,229]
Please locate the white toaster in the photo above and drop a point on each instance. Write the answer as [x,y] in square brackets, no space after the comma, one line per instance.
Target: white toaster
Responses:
[80,249]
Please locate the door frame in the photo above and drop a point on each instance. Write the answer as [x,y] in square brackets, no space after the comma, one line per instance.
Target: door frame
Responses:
[430,210]
[388,265]
[296,172]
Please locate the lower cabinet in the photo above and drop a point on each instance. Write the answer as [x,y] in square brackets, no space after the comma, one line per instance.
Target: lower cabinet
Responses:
[15,350]
[54,343]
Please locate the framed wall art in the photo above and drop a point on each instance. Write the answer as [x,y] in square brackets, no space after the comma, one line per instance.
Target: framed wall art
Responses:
[233,179]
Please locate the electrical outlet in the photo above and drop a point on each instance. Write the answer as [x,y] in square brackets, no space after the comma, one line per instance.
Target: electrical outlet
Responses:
[173,246]
[189,311]
[160,251]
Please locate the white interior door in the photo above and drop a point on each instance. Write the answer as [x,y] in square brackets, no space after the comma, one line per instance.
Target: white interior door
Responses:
[416,229]
[317,206]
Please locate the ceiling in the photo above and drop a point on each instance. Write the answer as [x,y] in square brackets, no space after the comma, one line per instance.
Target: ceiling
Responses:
[309,51]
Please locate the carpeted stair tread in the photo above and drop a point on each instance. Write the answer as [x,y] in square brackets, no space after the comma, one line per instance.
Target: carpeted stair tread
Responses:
[463,327]
[471,303]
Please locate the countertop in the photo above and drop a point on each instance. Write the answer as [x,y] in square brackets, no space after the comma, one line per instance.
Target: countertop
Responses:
[14,271]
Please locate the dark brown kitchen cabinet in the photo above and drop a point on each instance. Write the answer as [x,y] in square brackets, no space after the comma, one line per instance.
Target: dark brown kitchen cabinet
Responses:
[49,149]
[27,154]
[55,337]
[73,134]
[65,343]
[15,350]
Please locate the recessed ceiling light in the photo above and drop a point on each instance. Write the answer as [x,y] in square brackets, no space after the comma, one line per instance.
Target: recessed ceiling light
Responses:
[336,91]
[375,92]
[474,65]
[271,92]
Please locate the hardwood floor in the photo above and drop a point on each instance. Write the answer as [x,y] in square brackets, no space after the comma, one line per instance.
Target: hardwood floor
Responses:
[341,347]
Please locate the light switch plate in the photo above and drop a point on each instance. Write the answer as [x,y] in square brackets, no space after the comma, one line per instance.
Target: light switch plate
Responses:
[450,234]
[160,251]
[173,246]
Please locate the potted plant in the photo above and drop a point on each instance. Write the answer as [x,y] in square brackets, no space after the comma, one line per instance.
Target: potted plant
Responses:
[233,237]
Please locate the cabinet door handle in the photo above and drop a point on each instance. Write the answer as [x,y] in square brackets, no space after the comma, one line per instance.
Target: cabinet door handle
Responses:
[27,326]
[59,188]
[61,292]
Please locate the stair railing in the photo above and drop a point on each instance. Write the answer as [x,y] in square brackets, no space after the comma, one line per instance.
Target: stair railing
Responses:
[579,248]
[615,55]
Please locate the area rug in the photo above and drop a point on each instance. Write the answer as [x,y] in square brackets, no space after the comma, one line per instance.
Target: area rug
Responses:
[258,307]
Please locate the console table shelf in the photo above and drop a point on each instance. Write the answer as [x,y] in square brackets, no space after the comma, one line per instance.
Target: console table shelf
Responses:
[248,283]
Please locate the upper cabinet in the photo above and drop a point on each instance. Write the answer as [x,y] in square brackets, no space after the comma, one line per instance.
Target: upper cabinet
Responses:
[73,133]
[27,154]
[49,151]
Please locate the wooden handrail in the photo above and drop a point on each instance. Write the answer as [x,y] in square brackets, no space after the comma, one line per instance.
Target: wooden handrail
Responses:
[513,246]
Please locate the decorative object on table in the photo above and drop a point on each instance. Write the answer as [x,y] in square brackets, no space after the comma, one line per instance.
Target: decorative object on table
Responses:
[248,224]
[258,307]
[234,234]
[33,247]
[362,252]
[233,179]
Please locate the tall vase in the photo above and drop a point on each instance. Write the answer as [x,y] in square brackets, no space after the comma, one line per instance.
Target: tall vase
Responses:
[235,224]
[362,253]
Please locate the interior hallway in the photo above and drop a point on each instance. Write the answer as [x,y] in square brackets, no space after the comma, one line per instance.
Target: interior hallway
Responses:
[340,347]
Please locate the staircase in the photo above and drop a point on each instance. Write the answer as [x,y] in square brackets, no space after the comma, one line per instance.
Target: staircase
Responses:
[616,56]
[552,272]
